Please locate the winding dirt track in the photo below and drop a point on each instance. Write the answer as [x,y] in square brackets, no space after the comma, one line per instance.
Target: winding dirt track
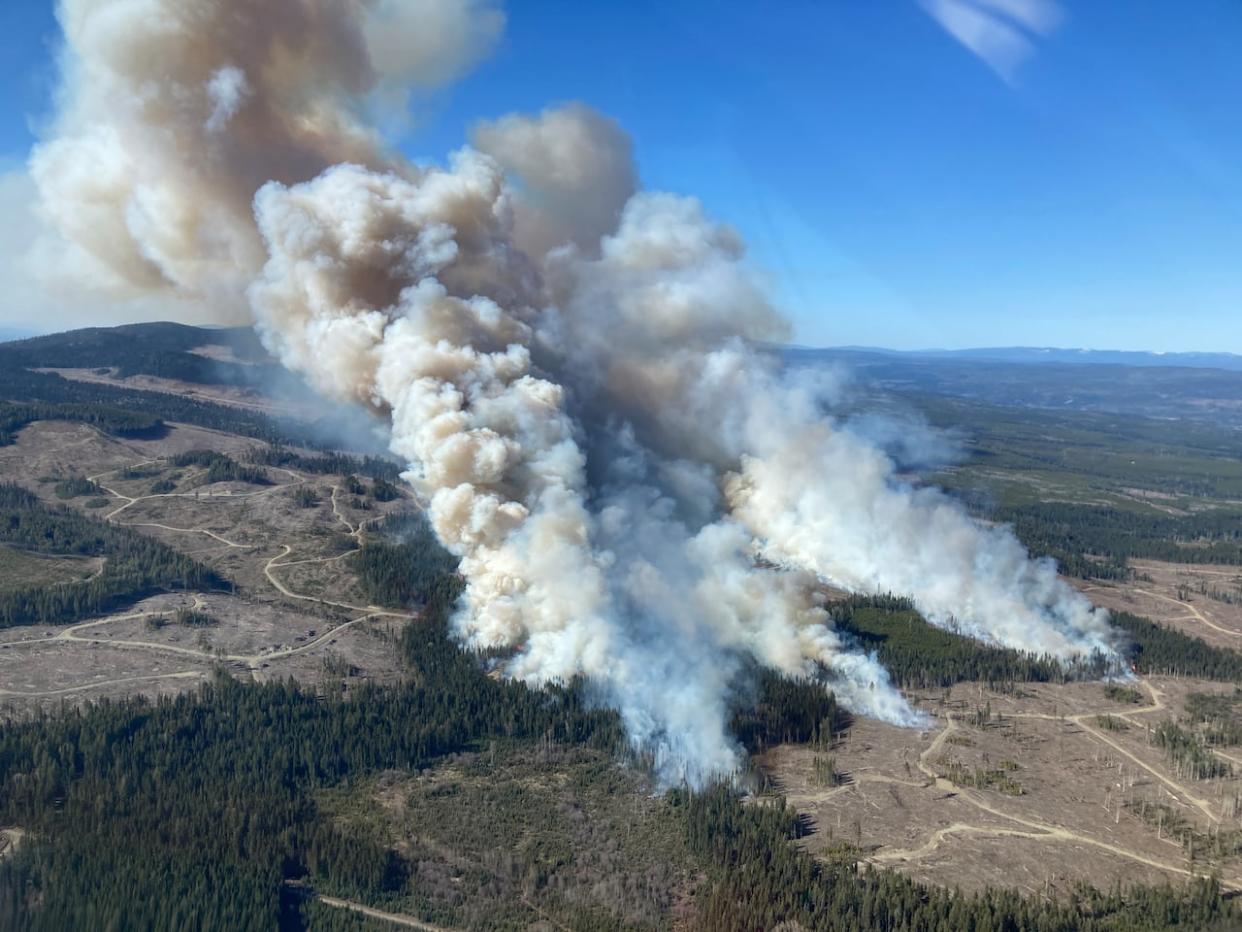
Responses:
[11,838]
[1193,612]
[1199,803]
[1043,831]
[125,680]
[1032,829]
[397,919]
[130,500]
[71,634]
[409,922]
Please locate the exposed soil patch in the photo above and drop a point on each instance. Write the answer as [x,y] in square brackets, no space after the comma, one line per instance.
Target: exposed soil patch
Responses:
[293,609]
[1202,601]
[1038,790]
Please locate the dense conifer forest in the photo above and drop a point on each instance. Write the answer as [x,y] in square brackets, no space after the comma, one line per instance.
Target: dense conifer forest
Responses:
[200,812]
[135,566]
[112,420]
[1068,532]
[779,709]
[401,562]
[919,655]
[1156,648]
[327,463]
[207,810]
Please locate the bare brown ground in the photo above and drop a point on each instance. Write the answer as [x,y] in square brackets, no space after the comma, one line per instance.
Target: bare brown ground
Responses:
[233,395]
[1069,823]
[294,609]
[10,841]
[60,449]
[1179,595]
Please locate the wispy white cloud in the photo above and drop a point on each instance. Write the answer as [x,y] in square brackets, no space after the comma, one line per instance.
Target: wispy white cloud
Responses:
[1001,33]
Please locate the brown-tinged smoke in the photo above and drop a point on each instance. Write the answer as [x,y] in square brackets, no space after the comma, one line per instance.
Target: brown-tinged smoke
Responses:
[572,367]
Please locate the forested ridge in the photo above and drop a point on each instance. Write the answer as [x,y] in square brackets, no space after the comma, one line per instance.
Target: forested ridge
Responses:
[158,349]
[135,566]
[1068,531]
[40,388]
[138,414]
[919,655]
[39,395]
[196,811]
[112,420]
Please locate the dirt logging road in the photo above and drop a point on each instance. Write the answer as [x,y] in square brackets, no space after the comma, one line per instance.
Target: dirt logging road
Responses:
[269,565]
[78,633]
[396,919]
[1045,831]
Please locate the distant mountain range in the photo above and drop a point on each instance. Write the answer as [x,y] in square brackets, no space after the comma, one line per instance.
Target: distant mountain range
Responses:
[1036,354]
[1167,386]
[1009,354]
[1170,386]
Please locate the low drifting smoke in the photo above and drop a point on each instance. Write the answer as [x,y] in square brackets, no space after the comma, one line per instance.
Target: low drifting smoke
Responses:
[574,368]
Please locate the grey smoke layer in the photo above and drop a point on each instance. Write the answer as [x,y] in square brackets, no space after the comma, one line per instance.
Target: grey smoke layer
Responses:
[638,494]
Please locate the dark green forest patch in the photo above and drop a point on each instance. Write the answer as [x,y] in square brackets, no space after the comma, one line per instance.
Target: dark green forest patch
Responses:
[135,566]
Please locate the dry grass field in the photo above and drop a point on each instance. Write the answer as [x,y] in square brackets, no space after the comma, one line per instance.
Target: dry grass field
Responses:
[294,609]
[1202,601]
[1036,790]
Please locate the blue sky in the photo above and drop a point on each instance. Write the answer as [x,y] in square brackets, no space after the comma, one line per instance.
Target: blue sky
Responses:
[894,188]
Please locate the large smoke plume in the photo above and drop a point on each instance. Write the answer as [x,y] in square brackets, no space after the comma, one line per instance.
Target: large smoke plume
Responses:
[572,367]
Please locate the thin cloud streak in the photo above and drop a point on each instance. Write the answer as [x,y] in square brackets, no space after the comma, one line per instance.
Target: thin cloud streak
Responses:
[1000,33]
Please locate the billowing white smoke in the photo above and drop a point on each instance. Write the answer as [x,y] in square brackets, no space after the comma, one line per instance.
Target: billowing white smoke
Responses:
[172,114]
[637,492]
